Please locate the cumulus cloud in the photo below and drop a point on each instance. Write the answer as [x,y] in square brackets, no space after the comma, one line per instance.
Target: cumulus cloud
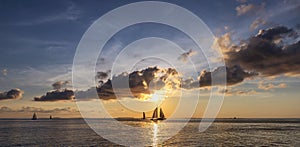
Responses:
[184,56]
[139,83]
[102,75]
[249,9]
[270,86]
[57,95]
[271,52]
[59,84]
[234,75]
[257,22]
[11,94]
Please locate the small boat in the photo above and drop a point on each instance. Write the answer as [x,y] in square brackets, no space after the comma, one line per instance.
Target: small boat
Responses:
[155,116]
[144,115]
[34,117]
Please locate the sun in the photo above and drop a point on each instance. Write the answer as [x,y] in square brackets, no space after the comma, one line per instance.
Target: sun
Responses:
[157,96]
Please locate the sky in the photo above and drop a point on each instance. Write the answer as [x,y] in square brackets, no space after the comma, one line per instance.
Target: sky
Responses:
[259,40]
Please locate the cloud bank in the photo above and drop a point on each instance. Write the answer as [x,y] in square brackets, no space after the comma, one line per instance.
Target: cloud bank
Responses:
[271,52]
[37,109]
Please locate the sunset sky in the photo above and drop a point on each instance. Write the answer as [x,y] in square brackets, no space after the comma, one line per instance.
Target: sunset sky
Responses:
[259,39]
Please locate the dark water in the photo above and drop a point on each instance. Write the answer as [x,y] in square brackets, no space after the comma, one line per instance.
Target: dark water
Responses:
[75,132]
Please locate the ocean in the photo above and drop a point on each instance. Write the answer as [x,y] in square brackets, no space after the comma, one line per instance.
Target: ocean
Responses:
[223,132]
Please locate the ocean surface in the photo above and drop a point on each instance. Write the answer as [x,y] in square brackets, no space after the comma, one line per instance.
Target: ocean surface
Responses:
[223,132]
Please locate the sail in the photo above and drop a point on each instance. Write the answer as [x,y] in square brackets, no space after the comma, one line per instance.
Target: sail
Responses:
[154,113]
[144,115]
[34,117]
[161,114]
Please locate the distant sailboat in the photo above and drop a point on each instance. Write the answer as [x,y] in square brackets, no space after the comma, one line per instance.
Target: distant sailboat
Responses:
[34,117]
[144,115]
[155,115]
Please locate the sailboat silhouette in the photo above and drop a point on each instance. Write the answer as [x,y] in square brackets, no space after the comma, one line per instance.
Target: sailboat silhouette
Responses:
[144,115]
[155,116]
[34,117]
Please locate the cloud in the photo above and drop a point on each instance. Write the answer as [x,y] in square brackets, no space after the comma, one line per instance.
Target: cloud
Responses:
[184,56]
[59,84]
[271,52]
[103,75]
[249,9]
[256,23]
[38,110]
[271,86]
[234,75]
[233,92]
[11,94]
[57,95]
[141,82]
[136,84]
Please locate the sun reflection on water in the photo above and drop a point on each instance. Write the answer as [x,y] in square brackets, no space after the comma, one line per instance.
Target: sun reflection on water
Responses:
[155,130]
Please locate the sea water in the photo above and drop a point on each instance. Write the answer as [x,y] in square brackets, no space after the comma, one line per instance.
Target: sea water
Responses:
[227,132]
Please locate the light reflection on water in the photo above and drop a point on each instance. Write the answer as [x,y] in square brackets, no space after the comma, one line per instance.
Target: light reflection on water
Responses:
[155,130]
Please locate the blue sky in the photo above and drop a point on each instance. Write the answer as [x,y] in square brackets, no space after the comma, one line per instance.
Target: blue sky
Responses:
[38,39]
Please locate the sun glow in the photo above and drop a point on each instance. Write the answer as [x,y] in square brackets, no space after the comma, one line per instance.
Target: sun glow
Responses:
[157,96]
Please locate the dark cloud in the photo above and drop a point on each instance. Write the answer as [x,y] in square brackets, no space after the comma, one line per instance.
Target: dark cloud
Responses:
[59,84]
[146,81]
[57,95]
[134,84]
[184,56]
[102,75]
[271,52]
[234,75]
[11,94]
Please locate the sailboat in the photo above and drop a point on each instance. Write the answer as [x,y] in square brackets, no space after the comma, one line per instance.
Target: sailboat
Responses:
[155,116]
[144,115]
[34,117]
